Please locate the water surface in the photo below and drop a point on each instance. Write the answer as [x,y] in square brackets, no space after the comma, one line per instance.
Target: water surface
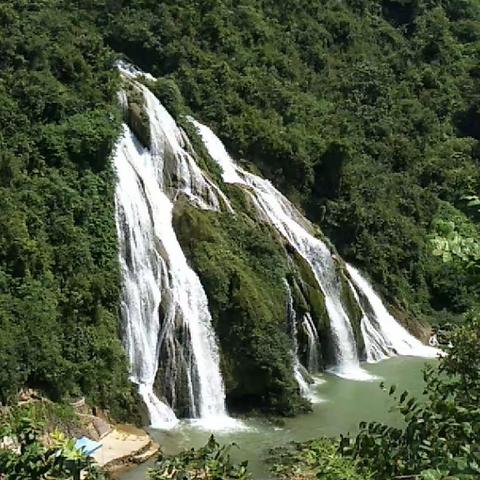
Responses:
[343,404]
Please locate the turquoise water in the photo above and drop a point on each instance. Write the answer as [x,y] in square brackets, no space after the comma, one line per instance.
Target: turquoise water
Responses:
[342,405]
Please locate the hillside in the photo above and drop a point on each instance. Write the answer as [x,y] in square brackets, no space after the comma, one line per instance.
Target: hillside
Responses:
[364,113]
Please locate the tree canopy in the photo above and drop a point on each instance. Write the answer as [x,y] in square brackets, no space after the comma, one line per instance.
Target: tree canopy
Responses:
[366,113]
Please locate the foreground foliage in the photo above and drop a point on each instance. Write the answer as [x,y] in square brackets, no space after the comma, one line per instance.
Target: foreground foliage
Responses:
[211,462]
[440,437]
[31,459]
[317,459]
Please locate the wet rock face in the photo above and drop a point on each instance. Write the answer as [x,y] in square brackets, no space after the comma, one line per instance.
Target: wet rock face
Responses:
[138,121]
[242,270]
[176,367]
[309,299]
[135,115]
[354,314]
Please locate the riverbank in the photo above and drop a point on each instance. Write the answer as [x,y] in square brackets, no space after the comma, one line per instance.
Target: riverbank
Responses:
[123,447]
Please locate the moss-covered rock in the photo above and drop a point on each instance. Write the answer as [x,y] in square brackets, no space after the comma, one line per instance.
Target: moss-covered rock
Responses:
[242,269]
[171,380]
[136,115]
[167,91]
[308,298]
[354,313]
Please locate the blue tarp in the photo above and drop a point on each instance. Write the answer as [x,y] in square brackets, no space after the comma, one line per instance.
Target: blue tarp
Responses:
[87,446]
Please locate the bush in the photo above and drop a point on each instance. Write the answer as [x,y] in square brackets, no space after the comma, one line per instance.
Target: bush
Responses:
[211,462]
[314,459]
[440,437]
[59,461]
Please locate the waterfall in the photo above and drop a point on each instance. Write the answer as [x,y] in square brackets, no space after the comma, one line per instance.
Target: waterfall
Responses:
[383,335]
[298,369]
[298,231]
[375,346]
[167,325]
[313,344]
[144,276]
[300,373]
[166,321]
[313,341]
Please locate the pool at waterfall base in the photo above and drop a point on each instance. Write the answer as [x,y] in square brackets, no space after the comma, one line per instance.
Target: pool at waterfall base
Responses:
[341,404]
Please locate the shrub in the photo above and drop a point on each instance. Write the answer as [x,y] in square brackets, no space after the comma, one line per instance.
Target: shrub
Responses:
[211,462]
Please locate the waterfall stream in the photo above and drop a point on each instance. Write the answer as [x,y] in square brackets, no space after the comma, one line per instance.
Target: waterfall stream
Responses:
[301,374]
[298,231]
[167,324]
[313,344]
[168,332]
[383,335]
[298,369]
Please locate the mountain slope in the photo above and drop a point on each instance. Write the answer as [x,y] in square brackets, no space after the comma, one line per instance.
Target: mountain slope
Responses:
[59,275]
[365,113]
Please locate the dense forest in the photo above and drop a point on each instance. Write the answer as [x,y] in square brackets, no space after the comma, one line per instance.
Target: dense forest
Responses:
[365,113]
[59,276]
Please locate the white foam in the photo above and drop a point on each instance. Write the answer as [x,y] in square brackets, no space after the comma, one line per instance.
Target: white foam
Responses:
[383,333]
[219,424]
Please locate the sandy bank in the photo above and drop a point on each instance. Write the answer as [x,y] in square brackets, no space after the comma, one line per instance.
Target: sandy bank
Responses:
[123,446]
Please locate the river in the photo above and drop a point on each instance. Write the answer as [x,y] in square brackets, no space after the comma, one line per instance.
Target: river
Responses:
[342,405]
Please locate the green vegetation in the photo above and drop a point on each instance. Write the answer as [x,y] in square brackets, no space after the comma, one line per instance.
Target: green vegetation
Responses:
[50,416]
[59,277]
[316,459]
[211,462]
[136,116]
[33,460]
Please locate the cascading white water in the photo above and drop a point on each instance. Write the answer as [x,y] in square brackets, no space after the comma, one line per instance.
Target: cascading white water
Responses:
[165,313]
[300,373]
[164,307]
[298,231]
[292,323]
[313,344]
[169,142]
[384,336]
[374,344]
[144,276]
